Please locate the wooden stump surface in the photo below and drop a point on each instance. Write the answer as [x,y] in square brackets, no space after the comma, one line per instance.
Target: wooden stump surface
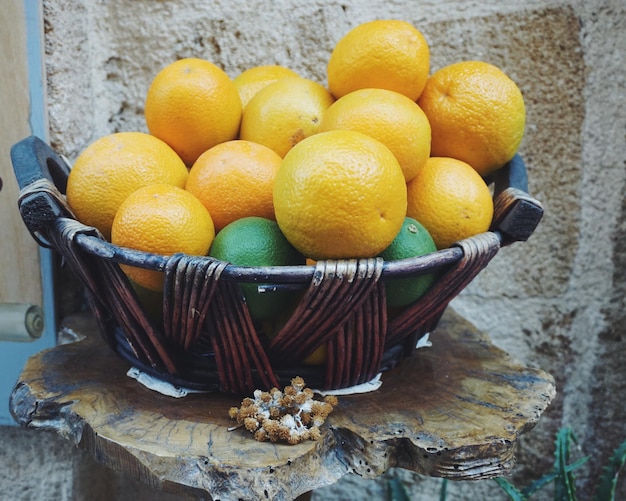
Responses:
[453,410]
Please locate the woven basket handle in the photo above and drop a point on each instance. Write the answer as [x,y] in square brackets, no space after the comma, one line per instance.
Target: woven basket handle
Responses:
[516,213]
[39,171]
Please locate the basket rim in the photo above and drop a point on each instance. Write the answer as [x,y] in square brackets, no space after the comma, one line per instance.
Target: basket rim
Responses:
[42,177]
[288,274]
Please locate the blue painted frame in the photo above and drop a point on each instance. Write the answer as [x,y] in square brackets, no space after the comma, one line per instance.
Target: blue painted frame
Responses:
[14,355]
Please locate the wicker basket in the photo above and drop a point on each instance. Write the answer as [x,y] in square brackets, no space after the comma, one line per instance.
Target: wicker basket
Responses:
[207,339]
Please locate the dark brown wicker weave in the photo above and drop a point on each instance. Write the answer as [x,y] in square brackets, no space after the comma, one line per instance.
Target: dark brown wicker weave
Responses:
[207,339]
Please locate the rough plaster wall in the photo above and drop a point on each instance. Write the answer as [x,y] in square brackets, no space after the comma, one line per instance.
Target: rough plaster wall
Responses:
[27,472]
[601,266]
[39,466]
[557,301]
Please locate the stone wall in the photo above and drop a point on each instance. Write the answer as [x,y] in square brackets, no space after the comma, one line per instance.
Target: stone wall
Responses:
[556,302]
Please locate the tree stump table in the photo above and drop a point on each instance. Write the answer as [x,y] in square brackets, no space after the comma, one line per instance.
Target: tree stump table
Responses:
[453,410]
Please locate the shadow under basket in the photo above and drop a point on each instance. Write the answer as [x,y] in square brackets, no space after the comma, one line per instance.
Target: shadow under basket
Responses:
[206,339]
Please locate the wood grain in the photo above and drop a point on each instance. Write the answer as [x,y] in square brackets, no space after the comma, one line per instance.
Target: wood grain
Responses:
[20,277]
[454,410]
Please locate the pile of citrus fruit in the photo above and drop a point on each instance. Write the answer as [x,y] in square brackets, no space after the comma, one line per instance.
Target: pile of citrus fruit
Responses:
[271,168]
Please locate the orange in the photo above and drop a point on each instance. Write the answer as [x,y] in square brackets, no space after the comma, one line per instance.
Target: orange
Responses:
[392,118]
[235,179]
[162,219]
[254,79]
[285,112]
[257,241]
[450,199]
[192,104]
[114,166]
[412,240]
[476,113]
[386,54]
[340,194]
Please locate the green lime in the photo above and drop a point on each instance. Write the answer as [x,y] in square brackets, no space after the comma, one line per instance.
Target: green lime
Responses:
[257,241]
[412,240]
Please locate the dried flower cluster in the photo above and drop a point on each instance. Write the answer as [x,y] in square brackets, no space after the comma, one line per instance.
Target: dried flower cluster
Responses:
[291,415]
